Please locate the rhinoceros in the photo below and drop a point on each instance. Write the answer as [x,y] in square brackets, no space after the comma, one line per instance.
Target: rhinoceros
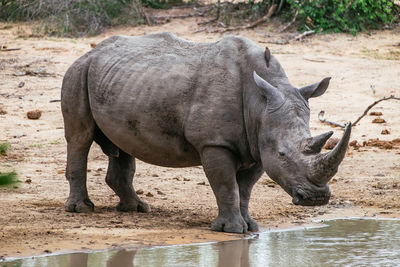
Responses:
[227,106]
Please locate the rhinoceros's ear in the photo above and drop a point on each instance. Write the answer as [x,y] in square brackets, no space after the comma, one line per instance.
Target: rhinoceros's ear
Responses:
[273,95]
[316,89]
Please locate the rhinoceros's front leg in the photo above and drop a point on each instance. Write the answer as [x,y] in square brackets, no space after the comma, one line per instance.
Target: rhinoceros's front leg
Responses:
[246,180]
[220,167]
[119,177]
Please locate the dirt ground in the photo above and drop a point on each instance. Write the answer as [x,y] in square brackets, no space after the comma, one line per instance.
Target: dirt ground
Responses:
[32,217]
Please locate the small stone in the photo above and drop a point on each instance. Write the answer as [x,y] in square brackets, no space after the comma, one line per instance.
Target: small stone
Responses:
[385,131]
[21,84]
[202,183]
[354,144]
[378,120]
[34,114]
[155,175]
[375,113]
[139,192]
[160,193]
[47,251]
[149,194]
[3,111]
[93,45]
[186,179]
[28,181]
[331,143]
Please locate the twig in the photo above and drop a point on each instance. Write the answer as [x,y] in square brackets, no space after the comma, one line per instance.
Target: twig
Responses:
[271,11]
[314,60]
[280,6]
[55,100]
[9,49]
[323,120]
[291,22]
[296,38]
[373,104]
[304,34]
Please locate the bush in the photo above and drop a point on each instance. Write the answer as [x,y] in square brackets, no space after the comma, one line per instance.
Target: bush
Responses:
[4,147]
[73,17]
[350,16]
[8,178]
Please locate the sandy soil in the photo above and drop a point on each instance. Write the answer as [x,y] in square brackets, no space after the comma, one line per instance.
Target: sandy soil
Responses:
[32,218]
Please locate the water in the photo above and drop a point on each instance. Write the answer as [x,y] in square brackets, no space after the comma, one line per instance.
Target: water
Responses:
[343,242]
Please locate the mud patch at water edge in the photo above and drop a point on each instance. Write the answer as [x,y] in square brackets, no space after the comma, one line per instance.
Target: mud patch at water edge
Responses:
[339,242]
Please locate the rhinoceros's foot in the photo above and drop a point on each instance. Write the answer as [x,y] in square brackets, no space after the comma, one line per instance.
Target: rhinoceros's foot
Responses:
[251,223]
[81,205]
[136,205]
[233,224]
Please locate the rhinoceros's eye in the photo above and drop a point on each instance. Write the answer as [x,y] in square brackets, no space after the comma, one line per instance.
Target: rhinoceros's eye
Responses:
[282,153]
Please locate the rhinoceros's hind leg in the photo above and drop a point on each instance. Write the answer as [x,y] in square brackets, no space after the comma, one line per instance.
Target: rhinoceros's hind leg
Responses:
[220,167]
[246,180]
[119,177]
[79,135]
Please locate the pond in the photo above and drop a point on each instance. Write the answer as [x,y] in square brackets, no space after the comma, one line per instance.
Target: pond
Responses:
[341,242]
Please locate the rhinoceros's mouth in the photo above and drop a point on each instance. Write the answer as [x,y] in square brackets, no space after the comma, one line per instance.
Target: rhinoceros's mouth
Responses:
[300,197]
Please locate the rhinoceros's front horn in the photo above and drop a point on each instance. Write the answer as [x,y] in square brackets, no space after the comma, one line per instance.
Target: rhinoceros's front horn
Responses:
[327,164]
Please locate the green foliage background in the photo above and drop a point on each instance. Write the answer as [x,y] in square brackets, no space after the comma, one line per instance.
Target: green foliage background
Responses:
[350,16]
[83,17]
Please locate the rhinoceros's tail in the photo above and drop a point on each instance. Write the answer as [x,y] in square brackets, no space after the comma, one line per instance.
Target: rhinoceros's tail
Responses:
[80,126]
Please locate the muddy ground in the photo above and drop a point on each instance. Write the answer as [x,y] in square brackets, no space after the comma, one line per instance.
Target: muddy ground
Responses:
[32,217]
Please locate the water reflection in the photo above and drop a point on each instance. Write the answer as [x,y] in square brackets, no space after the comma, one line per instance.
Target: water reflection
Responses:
[233,253]
[341,243]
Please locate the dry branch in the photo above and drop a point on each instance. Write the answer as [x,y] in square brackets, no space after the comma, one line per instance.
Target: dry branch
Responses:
[304,34]
[291,22]
[271,11]
[9,49]
[373,104]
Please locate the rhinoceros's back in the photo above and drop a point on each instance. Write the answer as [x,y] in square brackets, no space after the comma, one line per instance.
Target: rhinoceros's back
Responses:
[143,89]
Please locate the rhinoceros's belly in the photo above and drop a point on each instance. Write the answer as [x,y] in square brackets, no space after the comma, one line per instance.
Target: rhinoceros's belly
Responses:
[145,140]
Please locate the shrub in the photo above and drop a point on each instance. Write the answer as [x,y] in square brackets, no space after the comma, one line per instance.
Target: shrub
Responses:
[350,16]
[4,147]
[8,178]
[73,17]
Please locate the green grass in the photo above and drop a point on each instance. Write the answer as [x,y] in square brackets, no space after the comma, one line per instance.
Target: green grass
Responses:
[8,178]
[4,147]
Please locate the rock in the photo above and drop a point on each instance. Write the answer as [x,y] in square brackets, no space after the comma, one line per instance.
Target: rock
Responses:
[354,144]
[149,194]
[160,193]
[3,111]
[28,181]
[186,179]
[385,131]
[34,114]
[21,84]
[93,45]
[139,192]
[331,143]
[375,113]
[378,120]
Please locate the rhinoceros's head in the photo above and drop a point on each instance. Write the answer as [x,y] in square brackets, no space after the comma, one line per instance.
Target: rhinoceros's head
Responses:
[288,153]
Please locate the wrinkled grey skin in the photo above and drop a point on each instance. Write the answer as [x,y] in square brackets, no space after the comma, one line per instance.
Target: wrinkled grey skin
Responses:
[170,102]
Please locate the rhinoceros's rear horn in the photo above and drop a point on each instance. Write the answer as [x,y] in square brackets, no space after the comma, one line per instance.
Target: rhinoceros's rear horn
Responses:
[315,144]
[327,164]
